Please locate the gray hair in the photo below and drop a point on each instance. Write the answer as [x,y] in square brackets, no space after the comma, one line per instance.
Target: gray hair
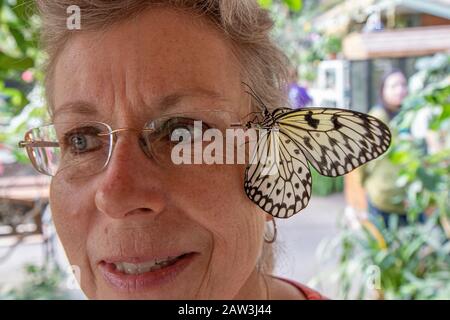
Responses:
[248,26]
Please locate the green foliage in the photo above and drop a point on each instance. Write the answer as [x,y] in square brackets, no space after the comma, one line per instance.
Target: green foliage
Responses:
[19,75]
[426,162]
[413,261]
[332,44]
[304,46]
[33,114]
[41,283]
[18,53]
[293,5]
[323,186]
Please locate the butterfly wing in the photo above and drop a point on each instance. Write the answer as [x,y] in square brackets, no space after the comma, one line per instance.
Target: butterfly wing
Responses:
[335,141]
[278,179]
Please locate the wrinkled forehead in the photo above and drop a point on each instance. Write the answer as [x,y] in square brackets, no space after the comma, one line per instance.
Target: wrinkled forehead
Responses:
[158,63]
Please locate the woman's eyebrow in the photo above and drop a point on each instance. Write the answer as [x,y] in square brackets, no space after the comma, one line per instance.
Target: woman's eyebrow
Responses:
[162,104]
[175,98]
[79,107]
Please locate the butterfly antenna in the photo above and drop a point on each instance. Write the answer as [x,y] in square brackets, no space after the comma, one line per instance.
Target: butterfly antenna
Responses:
[247,116]
[255,96]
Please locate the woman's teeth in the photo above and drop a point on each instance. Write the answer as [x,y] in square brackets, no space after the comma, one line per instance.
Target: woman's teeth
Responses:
[138,268]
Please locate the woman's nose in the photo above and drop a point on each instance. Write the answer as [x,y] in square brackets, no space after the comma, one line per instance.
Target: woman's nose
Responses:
[131,183]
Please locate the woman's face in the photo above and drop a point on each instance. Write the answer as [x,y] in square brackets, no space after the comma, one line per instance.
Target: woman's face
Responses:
[136,211]
[395,90]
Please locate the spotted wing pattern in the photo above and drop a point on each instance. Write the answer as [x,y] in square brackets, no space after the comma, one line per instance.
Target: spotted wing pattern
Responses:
[333,141]
[279,181]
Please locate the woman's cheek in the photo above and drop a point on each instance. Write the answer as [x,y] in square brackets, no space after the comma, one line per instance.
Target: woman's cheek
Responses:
[215,197]
[69,213]
[237,248]
[235,225]
[69,206]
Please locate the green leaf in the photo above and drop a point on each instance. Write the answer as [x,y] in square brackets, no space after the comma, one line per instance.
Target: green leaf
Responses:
[265,3]
[8,63]
[400,157]
[294,5]
[23,8]
[20,39]
[429,180]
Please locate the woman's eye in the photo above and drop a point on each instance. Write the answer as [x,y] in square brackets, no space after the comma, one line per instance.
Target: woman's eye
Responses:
[81,142]
[180,127]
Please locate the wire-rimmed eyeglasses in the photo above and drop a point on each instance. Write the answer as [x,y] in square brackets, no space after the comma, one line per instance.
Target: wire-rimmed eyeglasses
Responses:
[84,148]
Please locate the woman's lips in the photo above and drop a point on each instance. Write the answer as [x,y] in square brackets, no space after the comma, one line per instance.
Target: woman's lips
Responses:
[146,280]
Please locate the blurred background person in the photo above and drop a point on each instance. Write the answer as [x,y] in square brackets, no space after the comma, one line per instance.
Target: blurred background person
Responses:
[378,178]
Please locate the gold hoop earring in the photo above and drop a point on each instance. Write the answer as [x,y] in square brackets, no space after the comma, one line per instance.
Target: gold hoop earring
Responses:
[274,236]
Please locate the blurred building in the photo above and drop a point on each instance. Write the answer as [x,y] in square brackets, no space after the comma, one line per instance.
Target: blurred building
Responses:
[377,35]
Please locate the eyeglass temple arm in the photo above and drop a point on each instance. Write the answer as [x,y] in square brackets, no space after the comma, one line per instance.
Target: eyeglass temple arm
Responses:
[36,144]
[237,125]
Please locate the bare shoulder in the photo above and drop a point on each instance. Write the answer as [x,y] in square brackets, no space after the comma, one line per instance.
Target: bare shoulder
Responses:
[282,290]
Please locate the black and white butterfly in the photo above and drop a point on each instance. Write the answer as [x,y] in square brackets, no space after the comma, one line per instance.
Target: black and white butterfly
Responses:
[334,141]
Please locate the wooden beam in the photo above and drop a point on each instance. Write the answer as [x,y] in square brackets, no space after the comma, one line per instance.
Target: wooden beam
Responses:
[25,187]
[399,43]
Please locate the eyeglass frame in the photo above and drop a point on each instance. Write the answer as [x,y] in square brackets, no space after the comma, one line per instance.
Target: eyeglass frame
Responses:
[29,144]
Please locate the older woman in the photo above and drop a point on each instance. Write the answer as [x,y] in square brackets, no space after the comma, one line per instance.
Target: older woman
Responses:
[137,226]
